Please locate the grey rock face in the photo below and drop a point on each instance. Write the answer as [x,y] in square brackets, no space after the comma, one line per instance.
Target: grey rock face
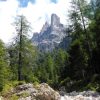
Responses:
[55,20]
[50,35]
[40,92]
[85,95]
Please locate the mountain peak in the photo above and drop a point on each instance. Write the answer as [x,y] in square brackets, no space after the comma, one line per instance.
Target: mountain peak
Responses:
[51,34]
[55,20]
[45,26]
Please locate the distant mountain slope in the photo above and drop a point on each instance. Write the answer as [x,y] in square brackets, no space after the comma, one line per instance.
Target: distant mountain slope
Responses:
[51,34]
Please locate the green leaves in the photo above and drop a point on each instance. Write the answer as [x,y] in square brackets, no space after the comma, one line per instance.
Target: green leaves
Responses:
[4,69]
[22,52]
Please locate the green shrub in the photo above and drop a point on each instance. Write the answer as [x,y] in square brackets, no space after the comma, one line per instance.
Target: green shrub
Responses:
[65,81]
[10,85]
[93,86]
[14,97]
[50,82]
[25,94]
[36,83]
[6,88]
[35,79]
[31,78]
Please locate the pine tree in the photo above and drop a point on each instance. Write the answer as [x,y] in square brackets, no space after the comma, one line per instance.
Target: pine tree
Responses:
[95,29]
[4,66]
[22,51]
[80,51]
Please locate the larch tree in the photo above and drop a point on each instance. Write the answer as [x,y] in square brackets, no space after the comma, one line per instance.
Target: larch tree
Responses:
[22,52]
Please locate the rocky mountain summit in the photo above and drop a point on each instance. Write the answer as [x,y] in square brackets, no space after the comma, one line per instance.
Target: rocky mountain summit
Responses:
[50,35]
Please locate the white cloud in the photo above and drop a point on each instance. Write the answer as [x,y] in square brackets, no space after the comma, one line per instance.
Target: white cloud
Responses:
[36,14]
[40,12]
[7,13]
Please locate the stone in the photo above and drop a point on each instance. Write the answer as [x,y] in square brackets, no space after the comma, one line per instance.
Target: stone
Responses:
[85,95]
[30,92]
[1,98]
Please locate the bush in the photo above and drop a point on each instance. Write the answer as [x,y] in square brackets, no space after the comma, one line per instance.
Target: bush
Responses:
[10,85]
[7,88]
[14,97]
[31,78]
[93,86]
[24,94]
[36,83]
[65,81]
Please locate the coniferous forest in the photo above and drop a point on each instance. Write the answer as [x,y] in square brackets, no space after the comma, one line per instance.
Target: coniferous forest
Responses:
[77,67]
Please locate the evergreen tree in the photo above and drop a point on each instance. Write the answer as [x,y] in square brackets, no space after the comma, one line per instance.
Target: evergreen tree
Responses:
[4,66]
[95,29]
[22,51]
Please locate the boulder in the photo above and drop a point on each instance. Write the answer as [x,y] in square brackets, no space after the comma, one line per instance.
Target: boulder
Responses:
[39,92]
[85,95]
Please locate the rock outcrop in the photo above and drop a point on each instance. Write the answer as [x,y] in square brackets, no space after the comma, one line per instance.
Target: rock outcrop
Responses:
[79,97]
[45,92]
[30,92]
[85,95]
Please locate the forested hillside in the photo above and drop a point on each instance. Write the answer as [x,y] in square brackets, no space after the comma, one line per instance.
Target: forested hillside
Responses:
[76,67]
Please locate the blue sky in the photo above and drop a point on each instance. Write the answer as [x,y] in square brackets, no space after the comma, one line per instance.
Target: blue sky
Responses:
[37,13]
[24,3]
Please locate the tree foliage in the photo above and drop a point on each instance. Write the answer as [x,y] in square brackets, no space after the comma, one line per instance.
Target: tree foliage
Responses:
[22,51]
[4,66]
